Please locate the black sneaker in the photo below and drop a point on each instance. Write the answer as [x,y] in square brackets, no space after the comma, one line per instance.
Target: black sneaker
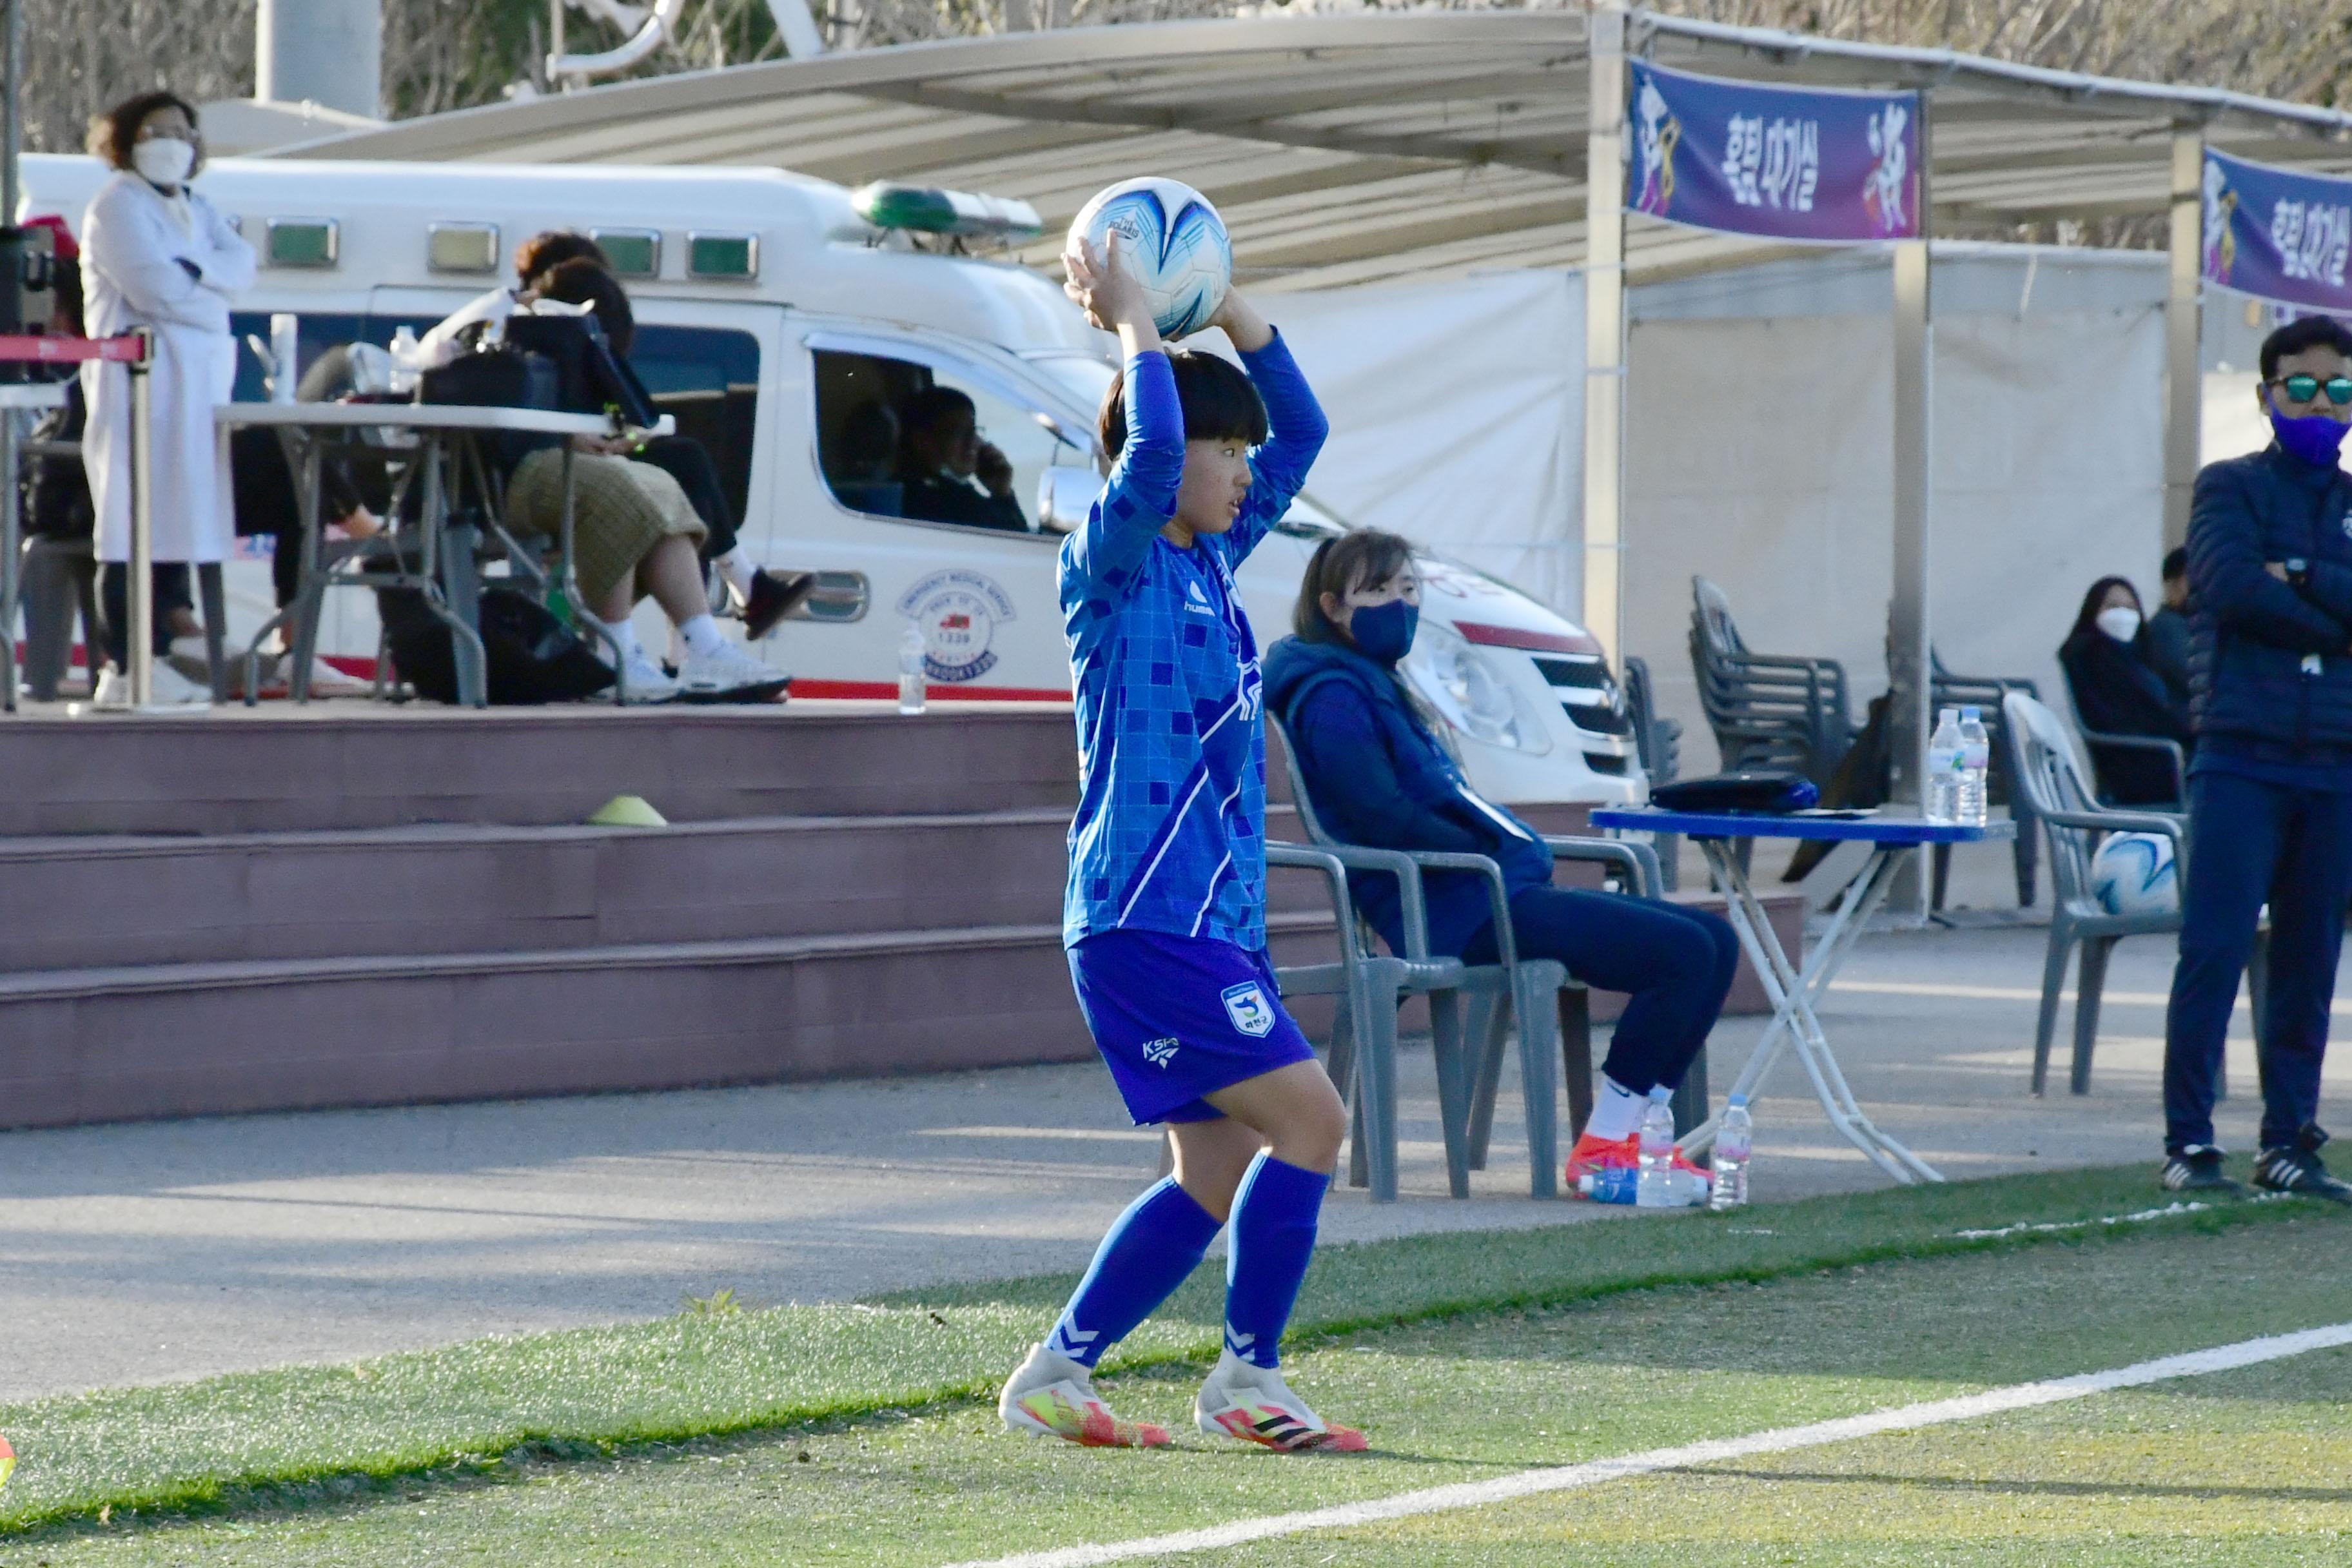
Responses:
[2197,1169]
[2297,1170]
[772,598]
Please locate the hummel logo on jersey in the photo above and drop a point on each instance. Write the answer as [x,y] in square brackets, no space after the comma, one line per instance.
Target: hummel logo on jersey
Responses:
[1160,1051]
[1246,1006]
[1196,601]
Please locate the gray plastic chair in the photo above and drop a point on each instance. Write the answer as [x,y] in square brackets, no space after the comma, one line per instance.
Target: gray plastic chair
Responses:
[2171,751]
[2043,762]
[1551,1008]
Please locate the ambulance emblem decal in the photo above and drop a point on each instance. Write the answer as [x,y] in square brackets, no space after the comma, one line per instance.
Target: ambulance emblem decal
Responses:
[958,612]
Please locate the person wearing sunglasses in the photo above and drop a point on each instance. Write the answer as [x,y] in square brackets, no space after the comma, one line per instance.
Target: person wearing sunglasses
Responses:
[2270,790]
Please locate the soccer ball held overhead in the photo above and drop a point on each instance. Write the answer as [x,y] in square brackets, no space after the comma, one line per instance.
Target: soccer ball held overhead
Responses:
[1175,242]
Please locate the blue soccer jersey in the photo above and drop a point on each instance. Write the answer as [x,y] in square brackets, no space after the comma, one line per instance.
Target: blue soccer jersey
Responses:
[1169,834]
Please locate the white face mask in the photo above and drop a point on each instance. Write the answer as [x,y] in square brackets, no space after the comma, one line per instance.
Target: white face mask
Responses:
[2120,622]
[163,161]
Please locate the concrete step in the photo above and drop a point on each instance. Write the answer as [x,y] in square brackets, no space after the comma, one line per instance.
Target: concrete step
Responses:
[114,901]
[200,1039]
[280,768]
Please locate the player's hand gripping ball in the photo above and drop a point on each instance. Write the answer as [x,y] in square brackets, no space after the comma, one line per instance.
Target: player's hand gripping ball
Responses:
[1174,242]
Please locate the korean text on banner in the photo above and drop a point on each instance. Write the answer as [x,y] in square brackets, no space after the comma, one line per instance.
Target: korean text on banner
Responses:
[1830,166]
[2277,234]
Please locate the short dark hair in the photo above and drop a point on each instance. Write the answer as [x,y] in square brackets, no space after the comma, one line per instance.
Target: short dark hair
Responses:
[2176,563]
[933,404]
[1218,401]
[580,281]
[117,130]
[1360,558]
[551,247]
[2308,332]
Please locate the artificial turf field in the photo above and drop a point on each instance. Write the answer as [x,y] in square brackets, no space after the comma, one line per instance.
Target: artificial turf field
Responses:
[862,1435]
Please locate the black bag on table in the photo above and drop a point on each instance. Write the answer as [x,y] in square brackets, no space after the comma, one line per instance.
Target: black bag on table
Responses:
[589,377]
[1761,792]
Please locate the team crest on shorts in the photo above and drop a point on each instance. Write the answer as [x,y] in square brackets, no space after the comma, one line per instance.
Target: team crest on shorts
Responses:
[1159,1052]
[1246,1006]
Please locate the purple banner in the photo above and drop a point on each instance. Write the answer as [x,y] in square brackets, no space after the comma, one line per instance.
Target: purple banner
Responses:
[2278,234]
[1783,163]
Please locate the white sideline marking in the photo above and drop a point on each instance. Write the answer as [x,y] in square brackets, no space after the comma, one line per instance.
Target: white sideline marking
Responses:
[1592,1472]
[2141,1216]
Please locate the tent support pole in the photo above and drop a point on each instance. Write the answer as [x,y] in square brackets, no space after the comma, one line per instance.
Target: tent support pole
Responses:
[2184,379]
[1909,641]
[1604,588]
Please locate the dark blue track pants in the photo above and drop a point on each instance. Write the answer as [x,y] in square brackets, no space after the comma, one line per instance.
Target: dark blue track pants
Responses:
[2251,842]
[1676,962]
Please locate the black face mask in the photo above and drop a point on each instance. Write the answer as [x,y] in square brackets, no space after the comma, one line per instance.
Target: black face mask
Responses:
[1384,633]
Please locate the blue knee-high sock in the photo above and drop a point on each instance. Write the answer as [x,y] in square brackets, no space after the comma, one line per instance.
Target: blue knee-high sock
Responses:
[1147,1252]
[1274,1214]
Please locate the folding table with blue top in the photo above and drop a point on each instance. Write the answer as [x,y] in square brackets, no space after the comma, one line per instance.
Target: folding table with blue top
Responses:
[1794,991]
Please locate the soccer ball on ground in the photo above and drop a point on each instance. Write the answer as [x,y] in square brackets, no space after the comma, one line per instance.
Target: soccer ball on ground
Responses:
[1175,242]
[2133,874]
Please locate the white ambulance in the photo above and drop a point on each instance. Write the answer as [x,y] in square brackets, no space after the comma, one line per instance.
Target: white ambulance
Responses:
[778,326]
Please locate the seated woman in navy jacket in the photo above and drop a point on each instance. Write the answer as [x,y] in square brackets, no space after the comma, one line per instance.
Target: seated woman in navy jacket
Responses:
[2119,690]
[1379,776]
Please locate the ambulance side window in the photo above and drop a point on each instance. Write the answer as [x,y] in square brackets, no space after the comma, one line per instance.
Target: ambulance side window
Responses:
[903,440]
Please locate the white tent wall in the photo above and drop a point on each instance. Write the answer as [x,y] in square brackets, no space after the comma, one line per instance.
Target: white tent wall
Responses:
[1457,416]
[1759,454]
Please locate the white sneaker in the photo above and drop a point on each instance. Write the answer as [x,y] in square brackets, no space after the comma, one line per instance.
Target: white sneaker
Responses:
[644,683]
[1253,1405]
[728,674]
[172,690]
[1050,1395]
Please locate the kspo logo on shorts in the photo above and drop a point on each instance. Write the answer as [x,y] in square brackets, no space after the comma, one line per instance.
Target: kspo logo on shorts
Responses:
[1246,1006]
[1160,1051]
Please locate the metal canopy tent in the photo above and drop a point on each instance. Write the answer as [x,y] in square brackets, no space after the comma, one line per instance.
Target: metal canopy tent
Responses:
[1422,145]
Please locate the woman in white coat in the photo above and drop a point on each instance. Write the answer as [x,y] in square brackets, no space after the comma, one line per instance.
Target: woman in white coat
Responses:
[156,254]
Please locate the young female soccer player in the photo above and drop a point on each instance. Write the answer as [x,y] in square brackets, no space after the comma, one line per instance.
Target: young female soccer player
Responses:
[1165,917]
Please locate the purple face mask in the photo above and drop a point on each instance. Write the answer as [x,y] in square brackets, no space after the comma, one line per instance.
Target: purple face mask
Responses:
[2315,437]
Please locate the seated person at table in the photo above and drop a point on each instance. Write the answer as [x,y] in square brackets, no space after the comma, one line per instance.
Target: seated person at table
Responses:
[570,267]
[949,473]
[1379,776]
[2119,691]
[634,534]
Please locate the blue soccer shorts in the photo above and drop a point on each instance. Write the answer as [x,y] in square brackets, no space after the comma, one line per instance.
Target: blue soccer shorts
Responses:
[1180,1017]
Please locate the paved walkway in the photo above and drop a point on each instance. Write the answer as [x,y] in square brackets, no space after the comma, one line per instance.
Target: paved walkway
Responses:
[158,1252]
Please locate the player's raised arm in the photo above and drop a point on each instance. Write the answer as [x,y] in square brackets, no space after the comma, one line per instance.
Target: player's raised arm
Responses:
[1294,422]
[1141,493]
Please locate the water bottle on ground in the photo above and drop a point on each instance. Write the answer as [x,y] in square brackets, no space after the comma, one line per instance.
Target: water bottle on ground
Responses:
[1615,1184]
[1943,791]
[1975,762]
[911,688]
[1734,1140]
[1656,1187]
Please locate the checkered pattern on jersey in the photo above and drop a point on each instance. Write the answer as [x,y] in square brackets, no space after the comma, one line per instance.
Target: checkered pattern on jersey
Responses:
[1169,834]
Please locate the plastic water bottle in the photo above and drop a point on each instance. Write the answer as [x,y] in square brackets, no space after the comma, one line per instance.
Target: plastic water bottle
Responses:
[1976,761]
[1656,1186]
[1613,1186]
[911,651]
[1734,1140]
[1943,791]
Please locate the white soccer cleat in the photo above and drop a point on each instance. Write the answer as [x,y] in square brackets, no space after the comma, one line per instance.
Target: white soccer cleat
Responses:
[1252,1404]
[1050,1395]
[728,675]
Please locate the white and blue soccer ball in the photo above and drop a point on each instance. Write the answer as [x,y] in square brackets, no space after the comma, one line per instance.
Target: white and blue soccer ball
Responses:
[2133,874]
[1175,242]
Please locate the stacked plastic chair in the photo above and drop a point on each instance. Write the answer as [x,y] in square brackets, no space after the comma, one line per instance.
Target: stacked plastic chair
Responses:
[1768,711]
